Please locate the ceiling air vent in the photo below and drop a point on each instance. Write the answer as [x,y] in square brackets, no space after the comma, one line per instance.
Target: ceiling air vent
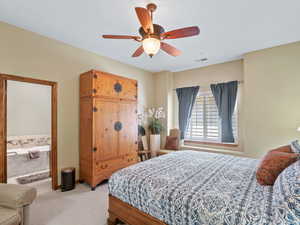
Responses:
[201,60]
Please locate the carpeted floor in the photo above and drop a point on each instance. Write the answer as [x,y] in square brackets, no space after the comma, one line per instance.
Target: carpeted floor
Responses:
[77,207]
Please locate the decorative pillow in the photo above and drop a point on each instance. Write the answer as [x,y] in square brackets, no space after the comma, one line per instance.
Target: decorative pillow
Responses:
[286,196]
[295,146]
[286,148]
[272,165]
[171,143]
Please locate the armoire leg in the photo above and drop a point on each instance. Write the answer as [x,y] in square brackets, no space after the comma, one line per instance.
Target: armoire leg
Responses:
[112,219]
[81,181]
[93,188]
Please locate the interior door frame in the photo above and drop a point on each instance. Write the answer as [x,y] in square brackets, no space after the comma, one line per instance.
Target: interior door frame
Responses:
[3,124]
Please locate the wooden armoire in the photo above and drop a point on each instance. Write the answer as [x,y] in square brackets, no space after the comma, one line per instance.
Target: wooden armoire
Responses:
[108,125]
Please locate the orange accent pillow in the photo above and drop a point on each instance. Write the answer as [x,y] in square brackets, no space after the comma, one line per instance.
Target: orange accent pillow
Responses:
[286,148]
[272,164]
[171,143]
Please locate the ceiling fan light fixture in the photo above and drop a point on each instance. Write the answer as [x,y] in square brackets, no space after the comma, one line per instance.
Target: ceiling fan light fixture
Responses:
[151,46]
[152,35]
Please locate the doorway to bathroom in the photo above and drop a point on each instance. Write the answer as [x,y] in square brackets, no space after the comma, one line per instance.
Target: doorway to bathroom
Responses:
[28,132]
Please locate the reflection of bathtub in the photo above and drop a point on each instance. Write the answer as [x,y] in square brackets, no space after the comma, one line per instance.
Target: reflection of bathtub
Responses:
[18,162]
[22,151]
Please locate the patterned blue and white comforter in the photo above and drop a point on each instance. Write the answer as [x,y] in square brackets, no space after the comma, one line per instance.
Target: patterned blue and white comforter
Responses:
[195,188]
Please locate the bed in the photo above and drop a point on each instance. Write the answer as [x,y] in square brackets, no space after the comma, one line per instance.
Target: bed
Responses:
[189,187]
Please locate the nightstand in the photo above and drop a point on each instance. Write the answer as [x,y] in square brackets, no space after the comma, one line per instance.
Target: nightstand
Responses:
[165,151]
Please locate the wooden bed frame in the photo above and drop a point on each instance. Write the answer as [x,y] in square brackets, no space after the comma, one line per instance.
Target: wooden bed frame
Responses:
[120,211]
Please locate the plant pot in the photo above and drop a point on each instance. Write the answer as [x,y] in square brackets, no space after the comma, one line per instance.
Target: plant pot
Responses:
[154,144]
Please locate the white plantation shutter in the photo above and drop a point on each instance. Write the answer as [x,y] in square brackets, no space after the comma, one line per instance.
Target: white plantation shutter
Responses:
[212,122]
[196,125]
[205,123]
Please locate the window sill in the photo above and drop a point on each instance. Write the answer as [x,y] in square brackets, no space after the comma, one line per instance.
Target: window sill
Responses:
[187,142]
[213,150]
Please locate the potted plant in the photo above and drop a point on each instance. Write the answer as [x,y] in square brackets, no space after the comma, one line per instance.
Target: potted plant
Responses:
[155,116]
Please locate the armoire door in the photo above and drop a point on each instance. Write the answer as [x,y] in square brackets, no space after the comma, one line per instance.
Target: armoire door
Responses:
[105,135]
[128,134]
[105,85]
[108,85]
[128,89]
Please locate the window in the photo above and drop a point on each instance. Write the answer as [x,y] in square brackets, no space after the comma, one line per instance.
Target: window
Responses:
[205,124]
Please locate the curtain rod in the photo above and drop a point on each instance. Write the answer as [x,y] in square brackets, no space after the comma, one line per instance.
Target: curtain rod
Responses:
[208,86]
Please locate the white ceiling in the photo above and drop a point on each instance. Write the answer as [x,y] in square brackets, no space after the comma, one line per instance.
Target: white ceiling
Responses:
[228,29]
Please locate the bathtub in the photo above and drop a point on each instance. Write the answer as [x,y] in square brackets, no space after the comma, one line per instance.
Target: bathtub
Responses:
[24,151]
[19,164]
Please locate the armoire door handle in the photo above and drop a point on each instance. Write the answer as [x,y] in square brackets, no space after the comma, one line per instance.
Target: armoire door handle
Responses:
[118,126]
[118,87]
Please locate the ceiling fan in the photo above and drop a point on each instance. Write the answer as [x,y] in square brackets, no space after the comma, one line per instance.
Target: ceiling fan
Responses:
[152,35]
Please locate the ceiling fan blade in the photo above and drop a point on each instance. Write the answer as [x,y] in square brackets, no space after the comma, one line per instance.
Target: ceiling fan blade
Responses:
[138,52]
[181,33]
[121,37]
[170,49]
[145,19]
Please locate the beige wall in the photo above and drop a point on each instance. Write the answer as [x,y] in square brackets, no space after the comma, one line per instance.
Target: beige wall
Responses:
[272,98]
[205,76]
[163,93]
[28,109]
[28,54]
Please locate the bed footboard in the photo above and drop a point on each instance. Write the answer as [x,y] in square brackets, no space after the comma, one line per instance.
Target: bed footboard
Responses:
[121,211]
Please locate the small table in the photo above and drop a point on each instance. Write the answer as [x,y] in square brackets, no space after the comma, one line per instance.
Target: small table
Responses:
[144,154]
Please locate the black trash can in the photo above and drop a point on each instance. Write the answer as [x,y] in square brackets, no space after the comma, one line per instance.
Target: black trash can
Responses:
[67,179]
